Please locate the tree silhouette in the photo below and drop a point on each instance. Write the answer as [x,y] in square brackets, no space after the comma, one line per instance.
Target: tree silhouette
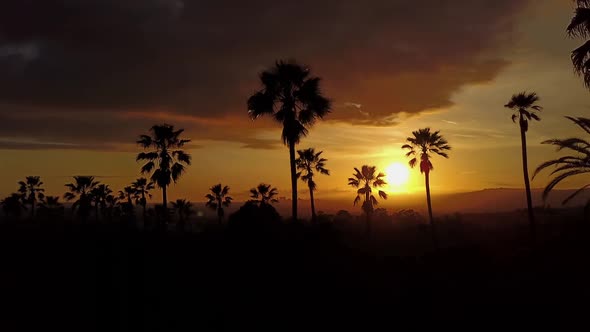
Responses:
[365,179]
[98,195]
[80,192]
[425,143]
[579,27]
[523,105]
[184,210]
[51,207]
[308,163]
[293,98]
[111,207]
[166,161]
[576,163]
[141,188]
[12,206]
[264,194]
[31,191]
[218,198]
[127,194]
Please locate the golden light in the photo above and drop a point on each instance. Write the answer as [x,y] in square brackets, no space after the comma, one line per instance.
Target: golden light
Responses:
[397,175]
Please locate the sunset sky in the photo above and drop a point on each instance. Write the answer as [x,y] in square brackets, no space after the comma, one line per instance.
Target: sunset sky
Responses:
[80,80]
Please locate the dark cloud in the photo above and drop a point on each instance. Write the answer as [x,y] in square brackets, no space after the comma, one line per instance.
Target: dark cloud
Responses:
[95,59]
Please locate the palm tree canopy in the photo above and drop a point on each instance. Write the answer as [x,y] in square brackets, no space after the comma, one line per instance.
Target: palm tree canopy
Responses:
[141,188]
[166,161]
[218,197]
[425,142]
[308,163]
[31,188]
[524,104]
[100,192]
[292,97]
[575,163]
[579,27]
[264,194]
[366,179]
[183,207]
[82,185]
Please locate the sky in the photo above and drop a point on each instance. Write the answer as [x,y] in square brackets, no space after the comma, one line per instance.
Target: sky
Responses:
[81,80]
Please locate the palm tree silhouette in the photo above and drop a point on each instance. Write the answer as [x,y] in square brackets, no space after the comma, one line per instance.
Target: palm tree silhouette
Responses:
[218,199]
[141,188]
[264,194]
[293,98]
[309,162]
[99,194]
[127,194]
[425,142]
[80,191]
[31,191]
[184,210]
[523,105]
[51,206]
[365,179]
[111,206]
[579,27]
[576,163]
[166,161]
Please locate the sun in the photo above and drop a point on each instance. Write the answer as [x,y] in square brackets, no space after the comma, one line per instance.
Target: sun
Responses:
[397,175]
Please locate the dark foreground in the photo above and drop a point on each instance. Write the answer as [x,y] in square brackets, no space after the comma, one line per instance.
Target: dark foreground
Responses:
[294,277]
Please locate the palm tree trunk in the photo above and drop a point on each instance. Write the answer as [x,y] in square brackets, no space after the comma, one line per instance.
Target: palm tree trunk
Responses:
[313,215]
[293,180]
[368,213]
[32,209]
[527,185]
[429,203]
[143,205]
[164,219]
[219,215]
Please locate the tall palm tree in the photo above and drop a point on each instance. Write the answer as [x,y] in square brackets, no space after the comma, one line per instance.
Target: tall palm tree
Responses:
[141,188]
[425,142]
[218,198]
[80,191]
[576,163]
[524,106]
[579,27]
[293,98]
[32,191]
[264,194]
[165,161]
[99,194]
[184,210]
[308,163]
[366,179]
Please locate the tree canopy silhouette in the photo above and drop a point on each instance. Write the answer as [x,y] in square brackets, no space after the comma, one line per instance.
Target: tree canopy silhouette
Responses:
[80,190]
[365,179]
[166,161]
[218,199]
[579,27]
[263,194]
[184,210]
[141,191]
[524,106]
[293,98]
[12,206]
[422,144]
[577,161]
[99,195]
[308,163]
[32,191]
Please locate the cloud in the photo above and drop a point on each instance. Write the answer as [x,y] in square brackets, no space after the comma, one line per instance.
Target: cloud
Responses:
[95,61]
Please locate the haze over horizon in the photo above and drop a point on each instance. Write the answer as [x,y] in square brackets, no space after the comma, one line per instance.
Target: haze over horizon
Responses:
[77,90]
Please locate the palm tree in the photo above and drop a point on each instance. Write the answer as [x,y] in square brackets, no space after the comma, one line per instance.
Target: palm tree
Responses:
[184,210]
[99,195]
[51,207]
[293,98]
[425,142]
[578,162]
[80,190]
[166,161]
[523,105]
[141,188]
[264,194]
[127,194]
[111,206]
[31,191]
[309,162]
[579,27]
[218,199]
[366,179]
